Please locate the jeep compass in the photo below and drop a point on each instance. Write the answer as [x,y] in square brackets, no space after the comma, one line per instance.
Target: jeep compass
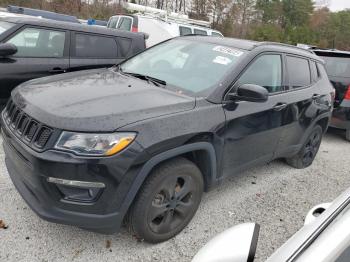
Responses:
[141,141]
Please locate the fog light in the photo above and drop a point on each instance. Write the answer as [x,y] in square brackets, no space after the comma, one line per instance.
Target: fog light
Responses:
[78,191]
[75,183]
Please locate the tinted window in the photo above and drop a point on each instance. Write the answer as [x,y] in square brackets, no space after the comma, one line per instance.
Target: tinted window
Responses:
[113,21]
[265,71]
[298,72]
[199,32]
[125,23]
[314,71]
[185,30]
[5,26]
[95,46]
[34,42]
[216,34]
[337,66]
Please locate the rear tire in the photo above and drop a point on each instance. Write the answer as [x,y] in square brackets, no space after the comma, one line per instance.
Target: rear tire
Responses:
[167,201]
[308,152]
[347,134]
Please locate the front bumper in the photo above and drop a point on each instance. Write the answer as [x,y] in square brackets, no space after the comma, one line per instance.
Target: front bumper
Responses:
[30,170]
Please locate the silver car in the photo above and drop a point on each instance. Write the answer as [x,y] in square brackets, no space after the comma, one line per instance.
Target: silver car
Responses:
[324,237]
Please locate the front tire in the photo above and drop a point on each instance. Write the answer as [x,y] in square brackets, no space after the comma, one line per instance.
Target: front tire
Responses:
[167,201]
[308,152]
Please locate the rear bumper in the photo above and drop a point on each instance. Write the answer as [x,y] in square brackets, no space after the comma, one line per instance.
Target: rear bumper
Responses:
[341,116]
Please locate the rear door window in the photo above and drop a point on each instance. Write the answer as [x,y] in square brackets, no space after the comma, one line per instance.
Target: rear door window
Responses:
[265,71]
[185,30]
[200,32]
[113,22]
[37,42]
[93,46]
[298,72]
[125,23]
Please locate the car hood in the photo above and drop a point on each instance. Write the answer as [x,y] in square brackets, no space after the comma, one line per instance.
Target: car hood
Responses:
[96,100]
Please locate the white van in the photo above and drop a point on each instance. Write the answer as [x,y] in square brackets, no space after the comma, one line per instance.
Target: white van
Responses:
[158,28]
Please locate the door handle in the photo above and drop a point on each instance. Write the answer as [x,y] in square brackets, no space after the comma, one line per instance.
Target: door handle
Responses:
[316,96]
[57,70]
[280,106]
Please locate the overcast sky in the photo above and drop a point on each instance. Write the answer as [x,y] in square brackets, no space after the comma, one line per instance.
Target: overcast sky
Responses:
[337,5]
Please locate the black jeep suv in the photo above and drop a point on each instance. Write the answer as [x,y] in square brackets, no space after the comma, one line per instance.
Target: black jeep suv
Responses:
[338,70]
[32,48]
[141,141]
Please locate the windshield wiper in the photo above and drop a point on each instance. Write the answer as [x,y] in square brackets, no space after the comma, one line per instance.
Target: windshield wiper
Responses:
[153,80]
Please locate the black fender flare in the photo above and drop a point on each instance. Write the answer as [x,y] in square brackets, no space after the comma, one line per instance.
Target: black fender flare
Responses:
[150,164]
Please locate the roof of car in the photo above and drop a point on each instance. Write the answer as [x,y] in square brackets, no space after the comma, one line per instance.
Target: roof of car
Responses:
[250,45]
[69,26]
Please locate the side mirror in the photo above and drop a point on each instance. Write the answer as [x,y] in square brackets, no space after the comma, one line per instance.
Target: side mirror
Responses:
[251,93]
[315,212]
[7,49]
[237,244]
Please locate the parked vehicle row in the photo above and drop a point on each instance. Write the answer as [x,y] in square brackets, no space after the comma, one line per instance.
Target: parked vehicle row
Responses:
[33,48]
[141,142]
[158,24]
[338,70]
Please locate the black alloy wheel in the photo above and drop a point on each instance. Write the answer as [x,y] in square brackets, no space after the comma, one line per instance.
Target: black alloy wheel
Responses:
[172,204]
[167,201]
[308,152]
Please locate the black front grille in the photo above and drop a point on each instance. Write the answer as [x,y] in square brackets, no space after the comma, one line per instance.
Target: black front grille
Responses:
[25,127]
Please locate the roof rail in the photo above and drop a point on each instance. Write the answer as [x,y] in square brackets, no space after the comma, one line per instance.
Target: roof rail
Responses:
[287,45]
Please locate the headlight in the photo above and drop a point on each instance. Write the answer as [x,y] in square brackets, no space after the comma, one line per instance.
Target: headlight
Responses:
[94,144]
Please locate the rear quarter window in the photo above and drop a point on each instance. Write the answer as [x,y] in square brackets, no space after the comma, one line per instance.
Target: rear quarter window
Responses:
[337,66]
[314,71]
[93,46]
[298,72]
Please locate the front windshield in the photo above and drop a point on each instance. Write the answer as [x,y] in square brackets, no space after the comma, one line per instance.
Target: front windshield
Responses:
[191,66]
[5,26]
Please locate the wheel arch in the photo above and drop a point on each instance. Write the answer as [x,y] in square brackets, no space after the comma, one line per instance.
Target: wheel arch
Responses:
[195,152]
[323,122]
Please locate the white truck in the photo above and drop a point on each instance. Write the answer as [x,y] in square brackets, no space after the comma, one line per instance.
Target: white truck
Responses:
[158,24]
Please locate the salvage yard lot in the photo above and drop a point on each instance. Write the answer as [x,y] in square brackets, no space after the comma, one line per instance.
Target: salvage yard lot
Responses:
[276,196]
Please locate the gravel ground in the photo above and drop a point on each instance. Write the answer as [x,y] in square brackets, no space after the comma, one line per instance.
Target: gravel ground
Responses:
[276,196]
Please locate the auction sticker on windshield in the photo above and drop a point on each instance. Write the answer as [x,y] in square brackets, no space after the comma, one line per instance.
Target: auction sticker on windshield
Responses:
[227,50]
[222,60]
